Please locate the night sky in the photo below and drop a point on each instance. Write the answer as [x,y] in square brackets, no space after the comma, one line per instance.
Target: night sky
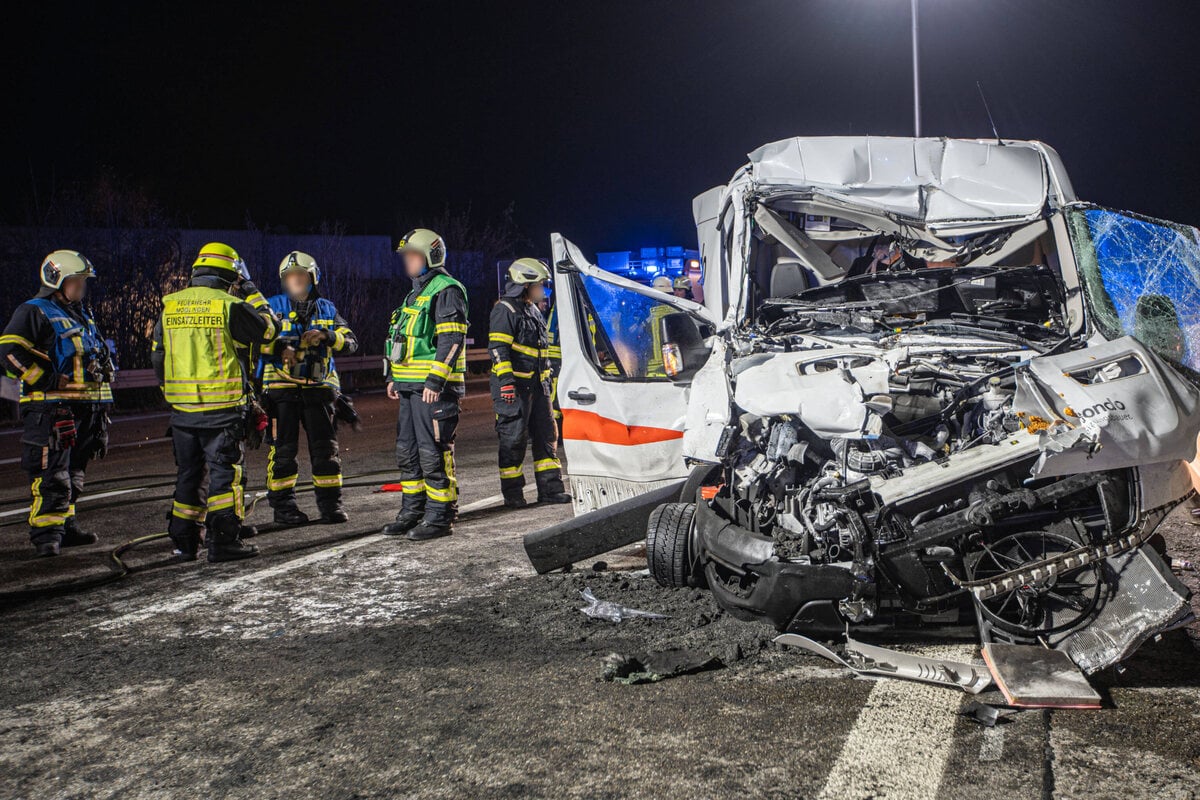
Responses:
[597,119]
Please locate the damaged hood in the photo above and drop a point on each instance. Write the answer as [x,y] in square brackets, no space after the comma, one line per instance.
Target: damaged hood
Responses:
[944,183]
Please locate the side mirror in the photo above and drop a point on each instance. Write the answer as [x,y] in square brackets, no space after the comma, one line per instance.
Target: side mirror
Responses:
[683,349]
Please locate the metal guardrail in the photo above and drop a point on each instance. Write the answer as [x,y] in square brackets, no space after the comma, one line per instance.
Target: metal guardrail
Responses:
[145,379]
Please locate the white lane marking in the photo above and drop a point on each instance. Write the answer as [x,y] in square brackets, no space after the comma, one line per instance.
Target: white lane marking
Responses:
[83,499]
[912,724]
[218,588]
[110,447]
[992,746]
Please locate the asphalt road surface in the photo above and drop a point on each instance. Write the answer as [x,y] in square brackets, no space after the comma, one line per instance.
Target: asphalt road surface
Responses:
[342,664]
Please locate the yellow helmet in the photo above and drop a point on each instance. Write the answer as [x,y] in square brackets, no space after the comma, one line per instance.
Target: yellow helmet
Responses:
[62,264]
[221,256]
[527,271]
[296,261]
[682,282]
[425,242]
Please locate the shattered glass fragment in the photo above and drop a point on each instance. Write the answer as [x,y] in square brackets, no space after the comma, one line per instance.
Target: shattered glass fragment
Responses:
[1142,278]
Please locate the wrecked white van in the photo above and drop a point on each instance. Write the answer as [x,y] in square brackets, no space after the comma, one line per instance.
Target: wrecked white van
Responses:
[926,386]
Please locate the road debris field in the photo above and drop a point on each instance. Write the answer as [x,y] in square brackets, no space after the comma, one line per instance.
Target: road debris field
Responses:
[348,664]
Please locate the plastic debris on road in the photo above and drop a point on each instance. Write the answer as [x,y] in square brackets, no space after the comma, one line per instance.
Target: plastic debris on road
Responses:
[613,612]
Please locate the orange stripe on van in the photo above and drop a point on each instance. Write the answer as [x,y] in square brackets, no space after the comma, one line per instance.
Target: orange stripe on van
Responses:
[589,426]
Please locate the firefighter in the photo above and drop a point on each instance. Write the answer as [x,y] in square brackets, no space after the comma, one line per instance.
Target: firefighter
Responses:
[200,354]
[427,364]
[302,387]
[54,349]
[521,383]
[682,287]
[654,359]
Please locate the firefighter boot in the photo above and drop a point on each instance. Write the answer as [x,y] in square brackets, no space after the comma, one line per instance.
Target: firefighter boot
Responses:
[427,530]
[73,536]
[224,540]
[289,516]
[405,522]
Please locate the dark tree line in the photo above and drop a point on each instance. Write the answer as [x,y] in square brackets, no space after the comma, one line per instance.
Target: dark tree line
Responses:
[141,252]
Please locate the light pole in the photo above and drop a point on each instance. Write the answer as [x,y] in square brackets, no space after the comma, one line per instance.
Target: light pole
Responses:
[916,75]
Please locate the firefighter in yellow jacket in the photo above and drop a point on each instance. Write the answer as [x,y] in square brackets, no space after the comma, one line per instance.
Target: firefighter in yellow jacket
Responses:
[199,354]
[427,360]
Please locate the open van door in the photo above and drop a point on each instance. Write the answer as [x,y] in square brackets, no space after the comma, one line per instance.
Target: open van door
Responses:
[623,416]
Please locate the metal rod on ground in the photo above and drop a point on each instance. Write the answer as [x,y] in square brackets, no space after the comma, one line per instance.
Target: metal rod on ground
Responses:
[597,531]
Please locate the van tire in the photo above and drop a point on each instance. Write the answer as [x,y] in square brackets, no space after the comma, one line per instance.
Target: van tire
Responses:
[669,543]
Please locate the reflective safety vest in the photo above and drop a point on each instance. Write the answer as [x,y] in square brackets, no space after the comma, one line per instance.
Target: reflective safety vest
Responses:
[314,365]
[412,337]
[654,362]
[78,349]
[201,369]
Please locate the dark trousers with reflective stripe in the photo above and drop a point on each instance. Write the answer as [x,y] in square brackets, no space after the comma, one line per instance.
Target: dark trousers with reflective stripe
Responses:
[56,473]
[311,408]
[425,454]
[217,453]
[529,418]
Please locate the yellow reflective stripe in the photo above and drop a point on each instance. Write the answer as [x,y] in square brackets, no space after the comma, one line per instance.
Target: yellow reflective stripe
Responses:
[496,336]
[446,495]
[36,518]
[185,511]
[439,369]
[277,484]
[501,367]
[220,501]
[554,351]
[96,393]
[412,487]
[544,464]
[239,492]
[510,472]
[339,339]
[523,374]
[280,484]
[32,374]
[327,481]
[450,327]
[526,351]
[12,338]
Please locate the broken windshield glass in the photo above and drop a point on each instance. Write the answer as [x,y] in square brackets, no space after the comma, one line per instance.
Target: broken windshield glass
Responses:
[1142,278]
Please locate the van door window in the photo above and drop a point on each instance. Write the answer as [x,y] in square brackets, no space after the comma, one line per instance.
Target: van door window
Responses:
[623,329]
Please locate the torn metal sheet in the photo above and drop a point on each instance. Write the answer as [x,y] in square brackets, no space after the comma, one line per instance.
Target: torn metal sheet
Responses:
[1030,676]
[866,659]
[935,180]
[1146,600]
[1110,405]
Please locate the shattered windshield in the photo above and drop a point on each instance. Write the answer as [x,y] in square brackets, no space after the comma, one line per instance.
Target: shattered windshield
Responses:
[1142,278]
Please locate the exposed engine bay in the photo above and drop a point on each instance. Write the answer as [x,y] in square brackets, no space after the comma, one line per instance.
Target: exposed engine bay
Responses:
[888,466]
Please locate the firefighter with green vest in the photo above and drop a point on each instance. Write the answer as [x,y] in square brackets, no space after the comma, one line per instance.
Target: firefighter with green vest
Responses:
[54,349]
[200,354]
[302,387]
[427,364]
[521,384]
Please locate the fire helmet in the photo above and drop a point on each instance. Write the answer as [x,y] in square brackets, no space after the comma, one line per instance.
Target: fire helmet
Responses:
[62,264]
[427,243]
[296,261]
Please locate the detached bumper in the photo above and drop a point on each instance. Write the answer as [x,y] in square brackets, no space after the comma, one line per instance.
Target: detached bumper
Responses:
[752,584]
